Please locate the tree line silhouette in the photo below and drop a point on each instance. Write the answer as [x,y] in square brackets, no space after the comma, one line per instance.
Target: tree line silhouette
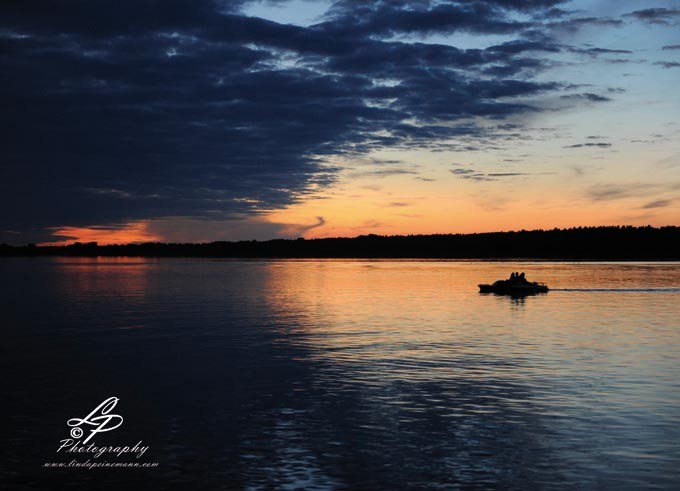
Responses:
[580,243]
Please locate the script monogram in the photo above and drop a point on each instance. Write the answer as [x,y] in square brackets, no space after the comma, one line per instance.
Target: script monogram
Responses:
[99,420]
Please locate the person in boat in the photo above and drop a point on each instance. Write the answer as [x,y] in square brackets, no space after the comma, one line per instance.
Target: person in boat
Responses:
[521,278]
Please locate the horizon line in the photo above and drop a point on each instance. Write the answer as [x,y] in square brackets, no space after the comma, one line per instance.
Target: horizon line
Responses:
[372,235]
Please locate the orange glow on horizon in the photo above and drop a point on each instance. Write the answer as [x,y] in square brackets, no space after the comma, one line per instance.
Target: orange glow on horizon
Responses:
[401,205]
[451,213]
[126,234]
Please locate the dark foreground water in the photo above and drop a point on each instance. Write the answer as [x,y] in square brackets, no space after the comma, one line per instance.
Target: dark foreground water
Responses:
[341,374]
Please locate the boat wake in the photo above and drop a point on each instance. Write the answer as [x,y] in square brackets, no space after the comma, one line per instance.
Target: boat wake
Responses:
[618,290]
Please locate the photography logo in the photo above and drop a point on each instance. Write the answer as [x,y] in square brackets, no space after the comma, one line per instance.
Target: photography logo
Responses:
[99,420]
[81,442]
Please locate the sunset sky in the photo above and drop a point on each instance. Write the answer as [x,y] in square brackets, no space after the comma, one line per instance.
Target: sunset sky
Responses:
[228,120]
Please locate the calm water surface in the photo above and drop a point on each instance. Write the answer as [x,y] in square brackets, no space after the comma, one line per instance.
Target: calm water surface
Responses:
[344,374]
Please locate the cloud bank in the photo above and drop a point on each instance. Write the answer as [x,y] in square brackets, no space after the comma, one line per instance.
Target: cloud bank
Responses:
[122,111]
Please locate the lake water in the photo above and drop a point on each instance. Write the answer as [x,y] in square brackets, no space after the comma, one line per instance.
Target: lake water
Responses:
[343,374]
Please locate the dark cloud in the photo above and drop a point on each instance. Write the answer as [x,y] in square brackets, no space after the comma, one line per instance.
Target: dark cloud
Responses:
[387,18]
[587,96]
[577,170]
[661,203]
[379,174]
[555,13]
[671,47]
[668,64]
[608,192]
[595,145]
[461,172]
[662,16]
[523,46]
[517,67]
[121,111]
[618,61]
[375,161]
[301,229]
[479,177]
[470,175]
[506,174]
[577,23]
[482,177]
[528,5]
[600,51]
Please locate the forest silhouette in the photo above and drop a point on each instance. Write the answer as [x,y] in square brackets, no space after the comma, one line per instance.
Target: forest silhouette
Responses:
[580,243]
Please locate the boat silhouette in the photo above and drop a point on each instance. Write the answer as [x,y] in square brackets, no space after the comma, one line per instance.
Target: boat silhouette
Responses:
[516,285]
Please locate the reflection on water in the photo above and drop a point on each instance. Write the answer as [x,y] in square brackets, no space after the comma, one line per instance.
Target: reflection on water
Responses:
[348,374]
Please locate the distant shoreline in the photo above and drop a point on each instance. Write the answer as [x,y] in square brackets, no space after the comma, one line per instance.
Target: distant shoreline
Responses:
[624,243]
[363,259]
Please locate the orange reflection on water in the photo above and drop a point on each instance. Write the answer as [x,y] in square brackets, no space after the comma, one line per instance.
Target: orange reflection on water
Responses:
[424,320]
[119,285]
